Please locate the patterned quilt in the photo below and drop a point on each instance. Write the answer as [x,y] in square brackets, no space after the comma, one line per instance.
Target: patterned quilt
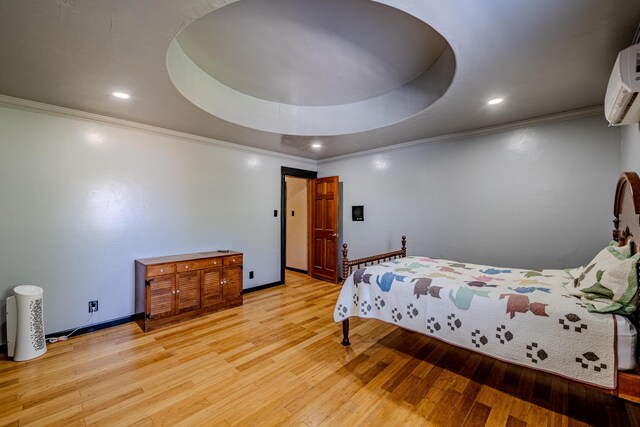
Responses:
[521,316]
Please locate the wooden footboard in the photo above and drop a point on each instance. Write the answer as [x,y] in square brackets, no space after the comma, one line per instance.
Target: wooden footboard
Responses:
[347,264]
[347,269]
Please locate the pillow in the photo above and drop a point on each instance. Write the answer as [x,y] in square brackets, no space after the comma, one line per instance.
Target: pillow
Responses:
[620,252]
[609,283]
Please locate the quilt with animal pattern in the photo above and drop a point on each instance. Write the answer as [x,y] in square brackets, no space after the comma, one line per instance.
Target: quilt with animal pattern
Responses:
[524,317]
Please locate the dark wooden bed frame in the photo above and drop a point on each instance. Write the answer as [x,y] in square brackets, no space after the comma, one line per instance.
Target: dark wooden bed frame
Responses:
[626,212]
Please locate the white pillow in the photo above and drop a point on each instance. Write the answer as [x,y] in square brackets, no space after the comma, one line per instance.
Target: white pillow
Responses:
[609,283]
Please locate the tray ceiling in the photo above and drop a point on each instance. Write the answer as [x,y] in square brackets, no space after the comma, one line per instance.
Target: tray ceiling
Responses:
[542,57]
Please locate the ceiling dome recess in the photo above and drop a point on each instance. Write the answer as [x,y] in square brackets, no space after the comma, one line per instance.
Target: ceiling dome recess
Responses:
[303,67]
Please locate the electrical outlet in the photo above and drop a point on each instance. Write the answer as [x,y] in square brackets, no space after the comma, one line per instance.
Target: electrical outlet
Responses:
[251,275]
[93,306]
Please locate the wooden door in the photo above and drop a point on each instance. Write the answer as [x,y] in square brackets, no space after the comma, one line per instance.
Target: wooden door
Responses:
[211,288]
[160,298]
[188,291]
[324,197]
[232,287]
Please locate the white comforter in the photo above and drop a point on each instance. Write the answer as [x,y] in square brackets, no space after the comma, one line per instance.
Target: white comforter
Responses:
[520,316]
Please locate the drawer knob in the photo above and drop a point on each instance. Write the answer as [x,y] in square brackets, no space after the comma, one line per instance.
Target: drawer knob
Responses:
[186,266]
[162,270]
[233,260]
[215,262]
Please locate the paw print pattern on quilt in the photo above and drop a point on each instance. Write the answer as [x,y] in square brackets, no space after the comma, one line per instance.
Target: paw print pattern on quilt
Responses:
[503,335]
[412,311]
[534,354]
[453,322]
[365,307]
[380,303]
[478,339]
[590,360]
[396,315]
[342,311]
[572,319]
[432,325]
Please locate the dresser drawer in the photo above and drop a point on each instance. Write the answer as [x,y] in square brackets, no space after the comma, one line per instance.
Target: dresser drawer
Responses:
[215,262]
[160,269]
[233,260]
[198,264]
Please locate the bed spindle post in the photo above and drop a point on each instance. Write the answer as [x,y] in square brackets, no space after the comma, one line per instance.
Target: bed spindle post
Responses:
[345,262]
[345,333]
[347,268]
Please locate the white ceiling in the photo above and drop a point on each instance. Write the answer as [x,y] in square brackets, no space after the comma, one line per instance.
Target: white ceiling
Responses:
[543,57]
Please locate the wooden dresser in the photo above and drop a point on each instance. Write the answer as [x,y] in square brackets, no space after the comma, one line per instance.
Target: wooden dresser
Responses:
[173,288]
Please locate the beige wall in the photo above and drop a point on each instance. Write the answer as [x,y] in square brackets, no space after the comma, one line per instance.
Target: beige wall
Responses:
[297,225]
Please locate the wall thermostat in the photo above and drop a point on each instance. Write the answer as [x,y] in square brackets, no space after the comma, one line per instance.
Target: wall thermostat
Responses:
[357,213]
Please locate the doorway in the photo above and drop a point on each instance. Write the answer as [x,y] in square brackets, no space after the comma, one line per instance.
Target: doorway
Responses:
[296,219]
[294,178]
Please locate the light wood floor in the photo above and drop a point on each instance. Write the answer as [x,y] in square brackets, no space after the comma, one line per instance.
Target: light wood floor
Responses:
[277,361]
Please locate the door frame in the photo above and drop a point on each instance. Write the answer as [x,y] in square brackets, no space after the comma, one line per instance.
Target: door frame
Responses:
[298,173]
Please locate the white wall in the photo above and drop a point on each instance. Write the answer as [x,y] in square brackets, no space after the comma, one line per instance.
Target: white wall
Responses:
[630,151]
[534,197]
[80,200]
[296,224]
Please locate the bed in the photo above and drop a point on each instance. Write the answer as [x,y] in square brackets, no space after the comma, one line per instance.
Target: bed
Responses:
[542,319]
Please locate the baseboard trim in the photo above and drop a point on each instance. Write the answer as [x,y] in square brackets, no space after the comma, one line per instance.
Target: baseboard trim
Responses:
[261,287]
[94,327]
[84,330]
[297,270]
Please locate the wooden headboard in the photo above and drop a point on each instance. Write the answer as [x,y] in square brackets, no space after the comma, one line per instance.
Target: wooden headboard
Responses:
[626,210]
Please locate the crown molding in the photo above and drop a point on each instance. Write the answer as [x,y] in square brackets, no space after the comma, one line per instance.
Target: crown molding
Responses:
[54,110]
[57,111]
[536,121]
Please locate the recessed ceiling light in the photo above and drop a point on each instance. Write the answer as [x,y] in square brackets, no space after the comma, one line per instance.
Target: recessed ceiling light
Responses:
[316,145]
[121,95]
[495,101]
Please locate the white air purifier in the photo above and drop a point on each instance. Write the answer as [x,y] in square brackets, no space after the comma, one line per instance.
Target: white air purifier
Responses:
[25,323]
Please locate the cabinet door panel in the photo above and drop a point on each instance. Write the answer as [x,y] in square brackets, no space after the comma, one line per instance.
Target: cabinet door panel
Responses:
[188,291]
[160,296]
[211,292]
[232,287]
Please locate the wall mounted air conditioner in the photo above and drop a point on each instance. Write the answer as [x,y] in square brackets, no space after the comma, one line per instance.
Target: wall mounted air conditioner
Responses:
[622,102]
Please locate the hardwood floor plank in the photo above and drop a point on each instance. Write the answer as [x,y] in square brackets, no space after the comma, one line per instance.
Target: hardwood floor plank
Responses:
[477,416]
